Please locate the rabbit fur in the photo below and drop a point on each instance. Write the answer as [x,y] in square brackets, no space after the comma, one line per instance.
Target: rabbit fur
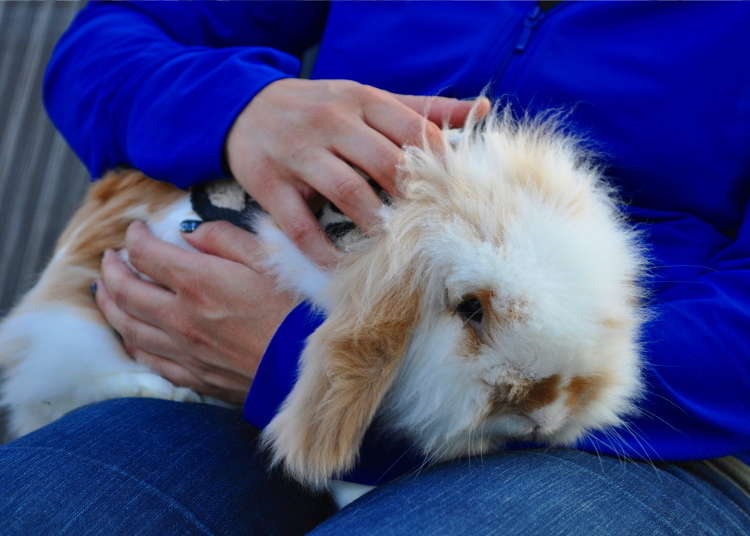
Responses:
[499,300]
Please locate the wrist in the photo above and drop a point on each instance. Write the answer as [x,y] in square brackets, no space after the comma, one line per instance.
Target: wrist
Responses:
[240,129]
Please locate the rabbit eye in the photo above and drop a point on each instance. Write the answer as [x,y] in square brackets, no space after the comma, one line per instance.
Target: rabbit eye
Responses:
[470,309]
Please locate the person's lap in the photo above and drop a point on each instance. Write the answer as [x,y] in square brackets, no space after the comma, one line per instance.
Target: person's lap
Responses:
[145,466]
[548,492]
[141,466]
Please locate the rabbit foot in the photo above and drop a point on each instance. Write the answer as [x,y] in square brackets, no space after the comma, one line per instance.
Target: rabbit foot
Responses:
[135,384]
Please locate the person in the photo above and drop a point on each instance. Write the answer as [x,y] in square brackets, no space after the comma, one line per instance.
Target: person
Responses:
[189,93]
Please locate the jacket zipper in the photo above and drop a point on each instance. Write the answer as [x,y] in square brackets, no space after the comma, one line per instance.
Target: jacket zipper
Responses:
[529,24]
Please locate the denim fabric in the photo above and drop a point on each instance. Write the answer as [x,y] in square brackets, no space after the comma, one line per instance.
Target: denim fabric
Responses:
[144,466]
[548,492]
[152,467]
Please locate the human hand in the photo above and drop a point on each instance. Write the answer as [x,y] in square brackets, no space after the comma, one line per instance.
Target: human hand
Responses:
[298,137]
[208,317]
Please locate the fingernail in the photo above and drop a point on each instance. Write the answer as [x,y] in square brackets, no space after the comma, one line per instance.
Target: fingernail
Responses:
[92,288]
[188,226]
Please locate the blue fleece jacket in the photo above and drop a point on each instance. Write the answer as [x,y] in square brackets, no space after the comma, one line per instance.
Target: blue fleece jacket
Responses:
[661,91]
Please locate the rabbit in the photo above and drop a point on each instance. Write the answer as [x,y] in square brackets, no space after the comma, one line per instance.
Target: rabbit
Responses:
[499,300]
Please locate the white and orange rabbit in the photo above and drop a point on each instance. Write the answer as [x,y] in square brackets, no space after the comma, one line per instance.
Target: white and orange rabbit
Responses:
[498,301]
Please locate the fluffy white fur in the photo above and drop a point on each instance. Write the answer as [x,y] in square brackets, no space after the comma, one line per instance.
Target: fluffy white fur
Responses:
[512,211]
[57,357]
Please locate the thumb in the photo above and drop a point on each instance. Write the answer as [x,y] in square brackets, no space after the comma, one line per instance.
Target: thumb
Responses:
[222,239]
[441,110]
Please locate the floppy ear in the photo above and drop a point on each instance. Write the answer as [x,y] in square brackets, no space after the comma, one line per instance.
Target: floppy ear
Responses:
[348,365]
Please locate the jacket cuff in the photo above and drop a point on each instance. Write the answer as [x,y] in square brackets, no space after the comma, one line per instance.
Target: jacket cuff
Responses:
[277,372]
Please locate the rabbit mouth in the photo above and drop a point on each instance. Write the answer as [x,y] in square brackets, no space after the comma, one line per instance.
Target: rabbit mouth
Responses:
[514,426]
[520,427]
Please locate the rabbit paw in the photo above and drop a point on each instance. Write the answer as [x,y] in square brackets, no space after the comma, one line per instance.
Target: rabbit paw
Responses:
[135,384]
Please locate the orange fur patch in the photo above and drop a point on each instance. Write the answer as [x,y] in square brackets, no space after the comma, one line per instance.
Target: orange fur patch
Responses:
[111,204]
[582,389]
[532,167]
[541,393]
[359,364]
[102,220]
[524,396]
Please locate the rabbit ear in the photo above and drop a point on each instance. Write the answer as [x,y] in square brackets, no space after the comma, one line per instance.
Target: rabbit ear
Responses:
[347,367]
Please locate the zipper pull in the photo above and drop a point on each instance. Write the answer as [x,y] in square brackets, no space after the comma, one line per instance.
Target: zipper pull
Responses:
[528,27]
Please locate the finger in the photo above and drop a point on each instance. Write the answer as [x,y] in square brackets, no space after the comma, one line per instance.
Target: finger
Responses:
[132,294]
[138,334]
[401,124]
[339,183]
[165,263]
[372,152]
[294,218]
[134,333]
[222,239]
[446,111]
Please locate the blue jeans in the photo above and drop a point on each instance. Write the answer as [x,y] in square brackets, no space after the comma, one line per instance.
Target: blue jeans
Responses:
[140,466]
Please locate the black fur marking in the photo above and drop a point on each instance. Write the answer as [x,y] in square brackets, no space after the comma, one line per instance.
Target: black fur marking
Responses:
[201,201]
[200,198]
[338,230]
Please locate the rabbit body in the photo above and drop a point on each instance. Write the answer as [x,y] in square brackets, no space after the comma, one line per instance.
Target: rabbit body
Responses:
[498,301]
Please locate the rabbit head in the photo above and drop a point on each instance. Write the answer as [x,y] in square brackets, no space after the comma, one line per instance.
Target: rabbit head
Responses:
[500,301]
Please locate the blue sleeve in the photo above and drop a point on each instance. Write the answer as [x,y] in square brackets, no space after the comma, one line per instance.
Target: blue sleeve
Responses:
[157,85]
[697,347]
[277,372]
